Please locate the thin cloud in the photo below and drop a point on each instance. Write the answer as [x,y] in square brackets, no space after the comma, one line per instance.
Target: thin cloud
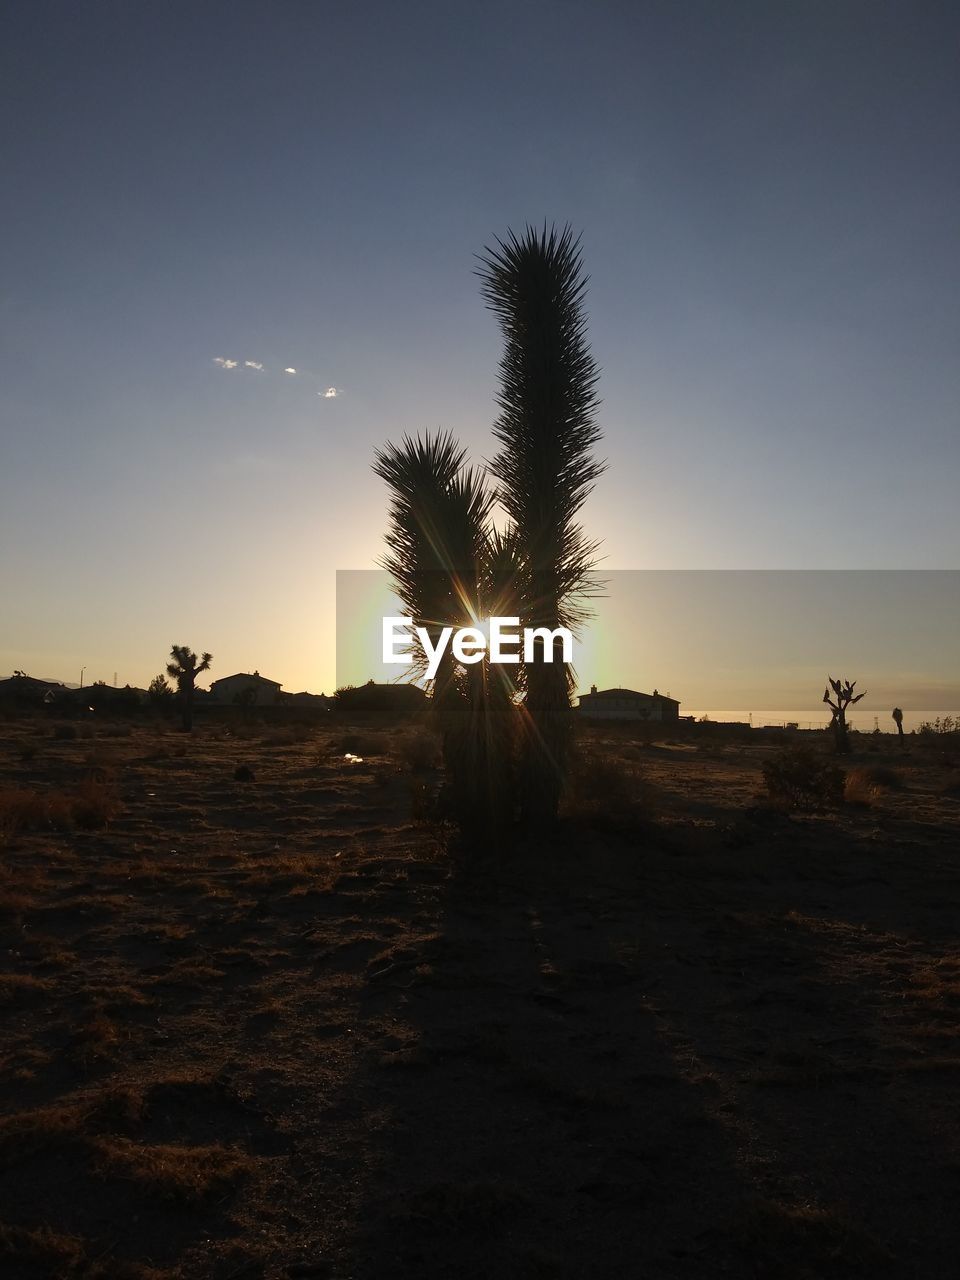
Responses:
[288,370]
[253,364]
[224,363]
[331,393]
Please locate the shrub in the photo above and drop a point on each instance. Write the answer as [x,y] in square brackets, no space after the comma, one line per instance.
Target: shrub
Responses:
[361,744]
[420,751]
[94,805]
[607,790]
[20,810]
[91,806]
[800,779]
[866,784]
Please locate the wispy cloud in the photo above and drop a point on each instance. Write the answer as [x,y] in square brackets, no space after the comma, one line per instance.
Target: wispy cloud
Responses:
[288,371]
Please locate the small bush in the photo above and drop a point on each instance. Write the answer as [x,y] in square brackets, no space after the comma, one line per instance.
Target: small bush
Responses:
[243,773]
[21,810]
[362,744]
[94,805]
[608,790]
[800,779]
[91,806]
[419,751]
[865,785]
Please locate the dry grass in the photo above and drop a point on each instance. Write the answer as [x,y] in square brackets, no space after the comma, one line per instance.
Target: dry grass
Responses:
[189,1174]
[867,784]
[250,1028]
[89,806]
[19,988]
[609,791]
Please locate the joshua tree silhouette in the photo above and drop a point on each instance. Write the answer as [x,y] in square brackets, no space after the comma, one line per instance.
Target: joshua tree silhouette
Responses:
[545,470]
[843,692]
[185,668]
[450,567]
[437,543]
[898,721]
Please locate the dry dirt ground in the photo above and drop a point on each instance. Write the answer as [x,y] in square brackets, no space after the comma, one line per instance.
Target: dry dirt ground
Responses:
[266,1027]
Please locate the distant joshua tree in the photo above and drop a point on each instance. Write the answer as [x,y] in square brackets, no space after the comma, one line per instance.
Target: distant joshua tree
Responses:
[845,697]
[185,668]
[898,721]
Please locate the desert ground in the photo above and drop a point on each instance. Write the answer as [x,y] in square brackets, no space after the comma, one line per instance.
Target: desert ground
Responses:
[261,1019]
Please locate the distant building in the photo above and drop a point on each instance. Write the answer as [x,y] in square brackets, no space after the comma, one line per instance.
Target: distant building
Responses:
[27,689]
[245,690]
[628,704]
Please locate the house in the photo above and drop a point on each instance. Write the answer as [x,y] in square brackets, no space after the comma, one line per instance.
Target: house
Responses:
[245,690]
[628,704]
[29,690]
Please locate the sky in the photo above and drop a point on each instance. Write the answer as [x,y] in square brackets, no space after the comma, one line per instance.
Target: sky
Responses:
[768,200]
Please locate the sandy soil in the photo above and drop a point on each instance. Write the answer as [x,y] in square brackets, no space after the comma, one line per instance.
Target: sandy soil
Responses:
[267,1027]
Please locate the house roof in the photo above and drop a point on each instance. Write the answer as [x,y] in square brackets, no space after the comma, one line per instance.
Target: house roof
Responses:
[628,693]
[246,675]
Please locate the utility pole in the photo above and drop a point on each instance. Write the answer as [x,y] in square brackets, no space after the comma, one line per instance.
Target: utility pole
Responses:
[82,670]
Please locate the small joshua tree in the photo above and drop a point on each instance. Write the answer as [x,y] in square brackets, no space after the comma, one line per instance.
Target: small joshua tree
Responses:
[185,668]
[898,721]
[845,697]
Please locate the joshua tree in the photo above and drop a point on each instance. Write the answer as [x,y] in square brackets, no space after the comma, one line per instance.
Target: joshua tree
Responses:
[898,721]
[545,470]
[438,548]
[843,692]
[451,568]
[185,668]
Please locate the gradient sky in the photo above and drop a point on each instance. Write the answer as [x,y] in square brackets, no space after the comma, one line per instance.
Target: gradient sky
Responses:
[768,195]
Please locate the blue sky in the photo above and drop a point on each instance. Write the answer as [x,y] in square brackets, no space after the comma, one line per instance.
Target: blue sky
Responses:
[768,201]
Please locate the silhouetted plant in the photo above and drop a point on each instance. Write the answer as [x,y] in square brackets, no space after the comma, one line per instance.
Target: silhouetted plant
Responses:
[450,568]
[799,778]
[437,544]
[545,470]
[845,697]
[185,668]
[941,725]
[897,715]
[159,691]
